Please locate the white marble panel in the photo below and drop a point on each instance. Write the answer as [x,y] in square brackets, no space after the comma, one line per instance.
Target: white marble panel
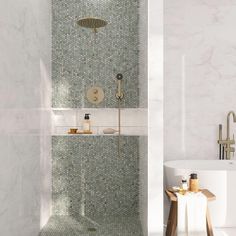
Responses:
[155,117]
[24,115]
[19,185]
[200,80]
[64,118]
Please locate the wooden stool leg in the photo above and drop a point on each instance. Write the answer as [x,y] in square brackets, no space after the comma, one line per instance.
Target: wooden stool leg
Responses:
[172,220]
[208,224]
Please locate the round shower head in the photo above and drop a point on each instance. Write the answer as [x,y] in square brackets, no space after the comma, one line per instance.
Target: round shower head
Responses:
[119,76]
[92,23]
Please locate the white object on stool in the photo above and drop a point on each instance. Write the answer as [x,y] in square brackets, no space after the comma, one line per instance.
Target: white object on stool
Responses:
[196,210]
[182,222]
[192,209]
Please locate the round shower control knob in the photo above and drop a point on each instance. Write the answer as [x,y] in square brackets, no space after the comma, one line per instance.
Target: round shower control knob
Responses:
[95,95]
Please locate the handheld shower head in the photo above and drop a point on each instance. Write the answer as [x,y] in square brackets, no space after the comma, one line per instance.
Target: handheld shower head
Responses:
[119,94]
[119,76]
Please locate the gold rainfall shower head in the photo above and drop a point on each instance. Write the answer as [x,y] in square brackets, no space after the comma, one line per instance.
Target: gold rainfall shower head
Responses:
[92,23]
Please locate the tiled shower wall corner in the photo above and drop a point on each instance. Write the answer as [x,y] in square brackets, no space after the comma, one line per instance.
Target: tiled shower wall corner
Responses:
[89,178]
[81,59]
[143,102]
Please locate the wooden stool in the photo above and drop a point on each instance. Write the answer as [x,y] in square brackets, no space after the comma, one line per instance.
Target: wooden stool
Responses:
[172,219]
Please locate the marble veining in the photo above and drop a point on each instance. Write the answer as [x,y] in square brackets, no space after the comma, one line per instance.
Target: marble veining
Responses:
[200,74]
[24,116]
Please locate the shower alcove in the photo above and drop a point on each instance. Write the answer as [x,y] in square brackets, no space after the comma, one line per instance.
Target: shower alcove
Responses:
[98,189]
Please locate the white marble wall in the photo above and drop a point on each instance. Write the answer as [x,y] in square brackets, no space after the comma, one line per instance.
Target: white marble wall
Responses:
[155,117]
[45,135]
[200,70]
[24,46]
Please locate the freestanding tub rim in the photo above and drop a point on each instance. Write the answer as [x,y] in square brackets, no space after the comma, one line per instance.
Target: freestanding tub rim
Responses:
[203,165]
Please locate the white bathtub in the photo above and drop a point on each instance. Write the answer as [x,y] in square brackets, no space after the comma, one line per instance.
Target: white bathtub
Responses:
[217,176]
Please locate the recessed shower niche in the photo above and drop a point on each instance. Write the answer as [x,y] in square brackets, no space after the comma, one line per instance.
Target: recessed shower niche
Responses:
[99,181]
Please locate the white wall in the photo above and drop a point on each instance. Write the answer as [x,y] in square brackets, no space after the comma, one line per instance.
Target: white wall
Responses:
[24,42]
[200,70]
[155,116]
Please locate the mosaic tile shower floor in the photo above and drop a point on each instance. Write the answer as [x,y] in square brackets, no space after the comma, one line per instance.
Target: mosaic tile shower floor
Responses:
[67,226]
[89,177]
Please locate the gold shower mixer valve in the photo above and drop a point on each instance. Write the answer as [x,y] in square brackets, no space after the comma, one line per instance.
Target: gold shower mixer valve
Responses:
[95,95]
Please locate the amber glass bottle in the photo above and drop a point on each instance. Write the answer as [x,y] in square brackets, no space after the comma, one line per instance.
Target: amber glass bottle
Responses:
[193,183]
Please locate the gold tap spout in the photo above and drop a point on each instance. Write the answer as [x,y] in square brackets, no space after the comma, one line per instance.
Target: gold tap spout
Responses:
[228,148]
[228,123]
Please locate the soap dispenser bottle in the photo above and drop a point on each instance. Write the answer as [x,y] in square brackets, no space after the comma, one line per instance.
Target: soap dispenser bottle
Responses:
[86,124]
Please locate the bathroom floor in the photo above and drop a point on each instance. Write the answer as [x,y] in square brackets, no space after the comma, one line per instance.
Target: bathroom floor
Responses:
[114,226]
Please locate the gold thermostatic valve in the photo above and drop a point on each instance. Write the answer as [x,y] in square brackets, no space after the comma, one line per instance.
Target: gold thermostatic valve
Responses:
[95,95]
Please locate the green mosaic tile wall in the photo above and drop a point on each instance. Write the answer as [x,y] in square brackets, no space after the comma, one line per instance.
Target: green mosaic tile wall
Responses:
[81,59]
[89,178]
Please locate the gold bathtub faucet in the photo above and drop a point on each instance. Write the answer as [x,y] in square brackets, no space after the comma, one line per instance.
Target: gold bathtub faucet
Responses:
[227,149]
